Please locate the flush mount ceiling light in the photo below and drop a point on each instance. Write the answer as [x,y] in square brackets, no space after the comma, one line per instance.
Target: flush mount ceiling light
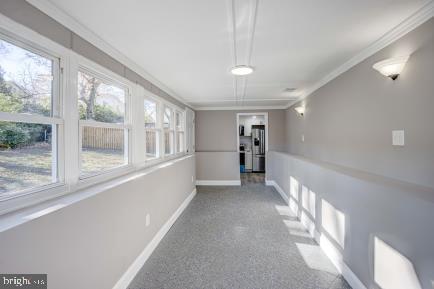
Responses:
[241,70]
[391,67]
[300,110]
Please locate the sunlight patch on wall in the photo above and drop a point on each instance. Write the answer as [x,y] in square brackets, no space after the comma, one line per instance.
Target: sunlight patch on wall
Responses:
[308,200]
[308,223]
[333,222]
[293,205]
[315,258]
[391,269]
[293,187]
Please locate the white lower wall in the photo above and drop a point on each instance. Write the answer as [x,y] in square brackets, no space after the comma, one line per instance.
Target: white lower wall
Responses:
[351,208]
[94,242]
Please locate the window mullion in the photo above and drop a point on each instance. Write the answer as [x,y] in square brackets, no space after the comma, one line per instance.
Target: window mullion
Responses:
[70,111]
[29,118]
[138,134]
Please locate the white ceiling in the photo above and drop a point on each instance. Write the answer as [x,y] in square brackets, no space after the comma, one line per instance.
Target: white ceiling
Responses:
[189,45]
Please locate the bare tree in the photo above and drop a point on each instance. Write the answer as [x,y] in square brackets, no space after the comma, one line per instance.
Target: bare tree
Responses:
[88,92]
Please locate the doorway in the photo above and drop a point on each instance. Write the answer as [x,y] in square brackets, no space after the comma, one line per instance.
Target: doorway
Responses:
[252,144]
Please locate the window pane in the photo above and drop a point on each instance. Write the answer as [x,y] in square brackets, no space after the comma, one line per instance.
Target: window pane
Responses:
[102,149]
[179,142]
[167,118]
[150,114]
[26,81]
[26,156]
[100,101]
[151,144]
[179,120]
[168,142]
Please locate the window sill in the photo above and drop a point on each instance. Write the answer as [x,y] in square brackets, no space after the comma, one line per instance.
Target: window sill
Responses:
[51,200]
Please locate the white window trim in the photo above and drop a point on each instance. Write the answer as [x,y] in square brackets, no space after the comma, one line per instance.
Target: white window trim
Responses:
[170,130]
[52,52]
[157,129]
[89,67]
[68,121]
[180,129]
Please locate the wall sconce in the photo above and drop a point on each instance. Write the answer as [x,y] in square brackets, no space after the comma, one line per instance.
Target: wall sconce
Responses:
[300,110]
[391,67]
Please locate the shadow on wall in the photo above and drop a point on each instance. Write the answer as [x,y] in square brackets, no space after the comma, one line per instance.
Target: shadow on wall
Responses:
[391,269]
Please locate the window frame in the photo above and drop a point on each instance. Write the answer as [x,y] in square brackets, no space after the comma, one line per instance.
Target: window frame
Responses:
[108,77]
[170,130]
[56,119]
[69,181]
[157,129]
[180,129]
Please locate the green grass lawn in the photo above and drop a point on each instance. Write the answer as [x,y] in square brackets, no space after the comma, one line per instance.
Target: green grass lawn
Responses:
[31,166]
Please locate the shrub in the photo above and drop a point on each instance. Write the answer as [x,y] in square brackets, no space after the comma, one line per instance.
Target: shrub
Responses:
[12,135]
[104,113]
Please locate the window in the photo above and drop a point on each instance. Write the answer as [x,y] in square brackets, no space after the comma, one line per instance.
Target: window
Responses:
[103,130]
[30,123]
[168,131]
[152,131]
[180,134]
[40,128]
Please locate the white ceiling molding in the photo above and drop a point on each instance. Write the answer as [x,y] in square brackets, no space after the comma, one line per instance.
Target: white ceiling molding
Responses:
[409,24]
[211,100]
[241,82]
[252,28]
[193,94]
[69,22]
[239,107]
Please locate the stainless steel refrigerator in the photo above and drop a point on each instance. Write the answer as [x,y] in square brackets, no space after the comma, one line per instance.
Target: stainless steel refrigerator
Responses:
[258,148]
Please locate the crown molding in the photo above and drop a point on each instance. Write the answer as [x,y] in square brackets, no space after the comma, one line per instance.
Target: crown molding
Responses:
[211,100]
[239,107]
[409,24]
[75,26]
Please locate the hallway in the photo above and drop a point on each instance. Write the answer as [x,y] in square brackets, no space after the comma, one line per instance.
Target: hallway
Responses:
[238,237]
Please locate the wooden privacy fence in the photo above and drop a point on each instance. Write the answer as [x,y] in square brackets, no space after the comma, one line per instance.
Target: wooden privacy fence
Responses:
[103,138]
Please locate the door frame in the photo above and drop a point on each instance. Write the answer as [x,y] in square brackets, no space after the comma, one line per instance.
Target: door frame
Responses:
[265,115]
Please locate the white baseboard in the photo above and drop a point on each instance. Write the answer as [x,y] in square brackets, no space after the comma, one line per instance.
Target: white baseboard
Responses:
[131,272]
[278,189]
[329,249]
[218,183]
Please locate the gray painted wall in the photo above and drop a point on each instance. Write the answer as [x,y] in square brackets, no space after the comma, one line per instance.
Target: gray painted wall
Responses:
[27,15]
[349,121]
[216,130]
[216,141]
[398,213]
[217,166]
[90,244]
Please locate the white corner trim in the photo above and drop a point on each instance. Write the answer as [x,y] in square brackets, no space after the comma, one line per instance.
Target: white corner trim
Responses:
[218,183]
[75,26]
[131,272]
[409,24]
[329,249]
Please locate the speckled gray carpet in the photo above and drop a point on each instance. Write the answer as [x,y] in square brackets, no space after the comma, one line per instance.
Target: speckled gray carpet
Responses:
[237,237]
